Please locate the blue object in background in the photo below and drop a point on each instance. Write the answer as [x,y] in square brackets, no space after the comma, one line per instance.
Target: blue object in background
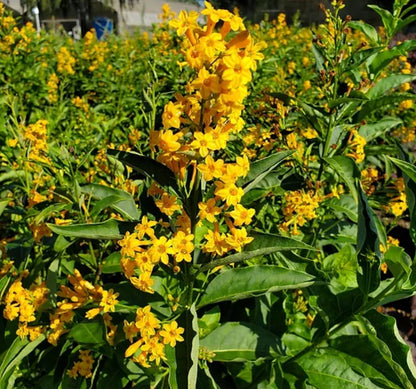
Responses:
[102,26]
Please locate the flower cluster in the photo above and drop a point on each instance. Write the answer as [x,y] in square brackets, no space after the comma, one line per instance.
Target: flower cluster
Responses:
[299,207]
[83,367]
[82,293]
[22,304]
[152,337]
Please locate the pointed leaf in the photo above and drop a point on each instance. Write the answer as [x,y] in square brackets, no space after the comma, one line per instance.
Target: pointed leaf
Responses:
[391,81]
[347,169]
[110,229]
[260,168]
[241,283]
[386,17]
[367,29]
[373,357]
[121,201]
[329,369]
[11,358]
[235,341]
[388,332]
[263,244]
[187,351]
[90,332]
[369,237]
[374,130]
[149,167]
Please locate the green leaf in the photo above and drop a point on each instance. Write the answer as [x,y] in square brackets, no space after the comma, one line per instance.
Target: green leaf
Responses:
[343,268]
[386,17]
[188,350]
[171,362]
[409,171]
[10,359]
[149,167]
[237,341]
[369,237]
[12,175]
[260,168]
[374,130]
[112,264]
[347,169]
[406,167]
[319,57]
[369,31]
[263,244]
[398,261]
[90,332]
[391,81]
[387,331]
[403,23]
[372,356]
[117,199]
[209,321]
[110,229]
[328,369]
[241,283]
[3,205]
[344,204]
[379,61]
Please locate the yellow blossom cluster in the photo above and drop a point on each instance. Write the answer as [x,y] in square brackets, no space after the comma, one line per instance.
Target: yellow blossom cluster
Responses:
[356,145]
[390,242]
[22,303]
[80,103]
[299,207]
[52,86]
[152,337]
[37,137]
[198,126]
[66,61]
[398,204]
[142,250]
[80,294]
[82,367]
[369,177]
[94,51]
[12,39]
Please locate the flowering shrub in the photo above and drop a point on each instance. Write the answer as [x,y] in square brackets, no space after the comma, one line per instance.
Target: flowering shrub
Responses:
[212,206]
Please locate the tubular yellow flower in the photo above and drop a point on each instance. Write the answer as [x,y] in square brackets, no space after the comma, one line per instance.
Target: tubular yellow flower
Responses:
[171,116]
[228,192]
[203,143]
[171,333]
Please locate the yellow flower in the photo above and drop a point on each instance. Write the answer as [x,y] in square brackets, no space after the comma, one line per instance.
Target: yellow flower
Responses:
[183,246]
[209,210]
[241,215]
[168,204]
[145,227]
[207,83]
[237,70]
[184,22]
[212,168]
[161,248]
[203,143]
[171,115]
[143,282]
[215,242]
[109,300]
[228,192]
[171,333]
[13,142]
[238,239]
